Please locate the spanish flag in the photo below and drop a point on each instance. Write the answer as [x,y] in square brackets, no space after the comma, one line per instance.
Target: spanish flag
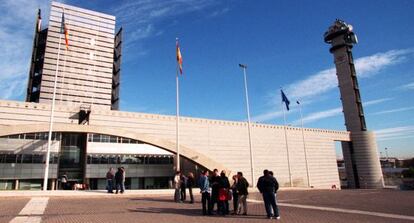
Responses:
[64,30]
[179,57]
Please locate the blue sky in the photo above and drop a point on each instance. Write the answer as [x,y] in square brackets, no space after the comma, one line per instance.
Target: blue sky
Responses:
[280,41]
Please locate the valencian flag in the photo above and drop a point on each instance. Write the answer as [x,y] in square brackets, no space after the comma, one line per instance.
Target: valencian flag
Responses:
[179,57]
[39,22]
[285,99]
[64,30]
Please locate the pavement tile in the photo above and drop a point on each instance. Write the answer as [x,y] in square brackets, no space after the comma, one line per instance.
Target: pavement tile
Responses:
[161,209]
[10,207]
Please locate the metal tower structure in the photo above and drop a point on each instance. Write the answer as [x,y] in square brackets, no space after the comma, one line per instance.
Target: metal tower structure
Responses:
[360,155]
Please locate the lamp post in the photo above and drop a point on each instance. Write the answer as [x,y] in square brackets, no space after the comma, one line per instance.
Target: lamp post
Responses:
[244,67]
[386,153]
[304,144]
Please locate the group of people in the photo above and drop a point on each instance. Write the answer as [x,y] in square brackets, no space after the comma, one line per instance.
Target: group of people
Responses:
[115,180]
[216,190]
[181,183]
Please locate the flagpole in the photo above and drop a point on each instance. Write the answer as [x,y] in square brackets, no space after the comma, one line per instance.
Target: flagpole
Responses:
[287,146]
[248,122]
[304,144]
[52,114]
[177,118]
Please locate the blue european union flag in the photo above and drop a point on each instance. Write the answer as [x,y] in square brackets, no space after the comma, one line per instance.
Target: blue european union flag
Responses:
[285,100]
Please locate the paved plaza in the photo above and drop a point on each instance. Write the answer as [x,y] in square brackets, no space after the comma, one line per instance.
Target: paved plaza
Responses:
[296,206]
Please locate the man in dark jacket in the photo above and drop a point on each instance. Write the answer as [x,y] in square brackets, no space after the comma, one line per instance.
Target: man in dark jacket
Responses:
[120,180]
[268,186]
[242,186]
[190,185]
[183,187]
[214,183]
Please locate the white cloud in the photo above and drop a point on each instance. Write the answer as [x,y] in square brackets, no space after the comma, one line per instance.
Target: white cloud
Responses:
[141,20]
[376,101]
[315,85]
[409,86]
[321,115]
[395,133]
[326,80]
[334,112]
[134,15]
[219,12]
[267,116]
[16,35]
[393,110]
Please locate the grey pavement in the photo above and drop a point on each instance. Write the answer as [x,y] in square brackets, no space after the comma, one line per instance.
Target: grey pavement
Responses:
[296,206]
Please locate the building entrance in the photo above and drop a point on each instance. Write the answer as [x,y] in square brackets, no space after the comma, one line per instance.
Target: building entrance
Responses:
[72,157]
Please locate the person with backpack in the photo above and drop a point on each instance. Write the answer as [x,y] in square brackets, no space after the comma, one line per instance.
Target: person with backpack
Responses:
[223,187]
[64,181]
[268,186]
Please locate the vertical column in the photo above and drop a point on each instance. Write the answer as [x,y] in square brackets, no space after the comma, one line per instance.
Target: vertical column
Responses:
[16,184]
[360,155]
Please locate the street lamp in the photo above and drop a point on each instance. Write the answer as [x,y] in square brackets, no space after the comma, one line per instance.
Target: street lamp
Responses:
[244,67]
[386,153]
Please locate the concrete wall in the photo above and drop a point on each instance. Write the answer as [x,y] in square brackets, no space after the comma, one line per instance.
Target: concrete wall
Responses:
[211,143]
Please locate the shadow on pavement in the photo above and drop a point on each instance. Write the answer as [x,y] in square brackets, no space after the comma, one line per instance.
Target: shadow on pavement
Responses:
[191,212]
[154,199]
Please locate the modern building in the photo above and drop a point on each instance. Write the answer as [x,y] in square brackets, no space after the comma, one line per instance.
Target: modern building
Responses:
[88,68]
[90,134]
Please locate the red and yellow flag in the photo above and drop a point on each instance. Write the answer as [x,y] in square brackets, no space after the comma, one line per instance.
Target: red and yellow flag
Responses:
[179,57]
[64,30]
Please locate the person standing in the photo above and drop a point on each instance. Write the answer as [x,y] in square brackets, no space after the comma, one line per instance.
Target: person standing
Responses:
[204,185]
[123,180]
[190,185]
[64,181]
[242,188]
[235,194]
[177,184]
[214,182]
[183,186]
[224,187]
[267,186]
[110,180]
[119,178]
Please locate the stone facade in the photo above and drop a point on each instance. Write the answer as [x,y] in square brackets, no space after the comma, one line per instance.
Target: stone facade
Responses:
[210,143]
